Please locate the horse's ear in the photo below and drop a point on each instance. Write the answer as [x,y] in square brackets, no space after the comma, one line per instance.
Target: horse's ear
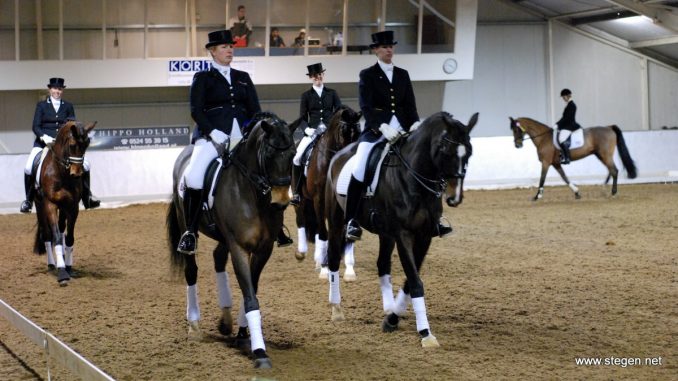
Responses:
[472,122]
[90,126]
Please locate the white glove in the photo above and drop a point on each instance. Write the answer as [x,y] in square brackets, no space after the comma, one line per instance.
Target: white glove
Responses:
[414,126]
[47,139]
[218,136]
[308,131]
[391,134]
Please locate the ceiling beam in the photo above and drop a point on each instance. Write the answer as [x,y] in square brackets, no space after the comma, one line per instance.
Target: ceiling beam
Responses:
[660,16]
[602,17]
[654,42]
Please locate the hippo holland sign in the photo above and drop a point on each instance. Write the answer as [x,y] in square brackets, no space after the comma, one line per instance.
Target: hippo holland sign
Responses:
[181,72]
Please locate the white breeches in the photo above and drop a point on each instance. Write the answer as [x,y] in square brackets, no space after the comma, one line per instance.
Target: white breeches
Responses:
[305,141]
[364,149]
[36,151]
[563,135]
[203,153]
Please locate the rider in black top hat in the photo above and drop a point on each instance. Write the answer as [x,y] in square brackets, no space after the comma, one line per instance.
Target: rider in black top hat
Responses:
[566,125]
[317,106]
[49,115]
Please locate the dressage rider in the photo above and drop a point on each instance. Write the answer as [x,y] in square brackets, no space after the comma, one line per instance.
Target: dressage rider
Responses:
[49,115]
[318,104]
[566,125]
[387,101]
[222,100]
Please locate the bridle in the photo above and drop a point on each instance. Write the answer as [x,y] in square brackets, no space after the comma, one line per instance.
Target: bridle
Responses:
[528,135]
[262,182]
[66,162]
[435,186]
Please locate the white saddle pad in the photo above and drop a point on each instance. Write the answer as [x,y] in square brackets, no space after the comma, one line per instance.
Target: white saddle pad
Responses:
[345,174]
[210,197]
[37,171]
[576,139]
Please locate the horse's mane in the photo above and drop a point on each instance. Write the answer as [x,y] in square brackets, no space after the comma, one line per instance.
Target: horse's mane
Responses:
[538,123]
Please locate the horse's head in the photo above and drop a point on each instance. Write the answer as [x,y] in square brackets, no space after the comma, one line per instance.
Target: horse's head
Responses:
[450,152]
[518,132]
[275,150]
[349,126]
[70,145]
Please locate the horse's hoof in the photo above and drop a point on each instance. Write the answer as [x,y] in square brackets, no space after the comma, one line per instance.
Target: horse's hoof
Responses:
[261,359]
[242,338]
[337,313]
[194,332]
[226,322]
[73,273]
[390,323]
[62,276]
[51,269]
[349,275]
[324,273]
[429,341]
[300,256]
[577,196]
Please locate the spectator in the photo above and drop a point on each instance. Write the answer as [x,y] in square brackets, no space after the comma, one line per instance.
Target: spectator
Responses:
[240,28]
[276,41]
[300,40]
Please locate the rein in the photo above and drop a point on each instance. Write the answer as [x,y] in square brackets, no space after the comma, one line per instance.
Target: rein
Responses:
[528,135]
[441,183]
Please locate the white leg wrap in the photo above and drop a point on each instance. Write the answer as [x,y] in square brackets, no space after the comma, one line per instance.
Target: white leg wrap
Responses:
[224,290]
[301,236]
[59,254]
[242,320]
[573,187]
[349,258]
[256,336]
[192,305]
[419,308]
[50,254]
[320,250]
[401,303]
[68,255]
[335,294]
[386,292]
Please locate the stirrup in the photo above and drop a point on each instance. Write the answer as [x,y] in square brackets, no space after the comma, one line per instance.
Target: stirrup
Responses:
[91,203]
[443,230]
[353,230]
[283,239]
[188,243]
[26,206]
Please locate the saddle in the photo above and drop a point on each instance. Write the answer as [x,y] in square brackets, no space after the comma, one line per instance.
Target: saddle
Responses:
[37,166]
[576,139]
[373,167]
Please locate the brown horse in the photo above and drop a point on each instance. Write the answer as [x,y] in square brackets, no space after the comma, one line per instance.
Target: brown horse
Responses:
[57,199]
[344,128]
[599,141]
[250,197]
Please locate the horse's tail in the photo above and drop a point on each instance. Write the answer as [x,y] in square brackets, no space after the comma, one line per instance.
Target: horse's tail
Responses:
[177,260]
[624,153]
[39,244]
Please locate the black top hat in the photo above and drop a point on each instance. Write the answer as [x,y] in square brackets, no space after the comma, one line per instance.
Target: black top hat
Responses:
[56,82]
[382,38]
[315,69]
[219,37]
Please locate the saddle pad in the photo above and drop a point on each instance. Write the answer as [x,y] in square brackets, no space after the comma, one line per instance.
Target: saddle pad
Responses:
[212,175]
[39,168]
[347,171]
[576,139]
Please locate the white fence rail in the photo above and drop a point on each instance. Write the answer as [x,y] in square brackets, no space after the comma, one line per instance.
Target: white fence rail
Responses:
[53,347]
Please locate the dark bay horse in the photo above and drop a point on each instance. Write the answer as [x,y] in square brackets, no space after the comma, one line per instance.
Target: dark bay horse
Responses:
[250,197]
[404,210]
[343,129]
[598,141]
[56,202]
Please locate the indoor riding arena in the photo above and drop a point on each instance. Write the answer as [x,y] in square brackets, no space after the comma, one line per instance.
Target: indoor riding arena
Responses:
[560,281]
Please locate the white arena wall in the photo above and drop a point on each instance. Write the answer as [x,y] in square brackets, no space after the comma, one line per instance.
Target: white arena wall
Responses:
[138,176]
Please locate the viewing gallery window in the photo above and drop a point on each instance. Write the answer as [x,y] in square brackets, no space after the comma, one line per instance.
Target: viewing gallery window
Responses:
[117,29]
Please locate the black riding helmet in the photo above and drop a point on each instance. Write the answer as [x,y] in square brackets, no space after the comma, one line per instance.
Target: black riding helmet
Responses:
[565,92]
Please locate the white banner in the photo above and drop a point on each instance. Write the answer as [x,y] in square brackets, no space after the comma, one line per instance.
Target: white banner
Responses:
[181,72]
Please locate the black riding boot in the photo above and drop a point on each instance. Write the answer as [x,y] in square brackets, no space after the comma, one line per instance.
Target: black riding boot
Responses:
[192,208]
[283,237]
[353,196]
[87,199]
[297,173]
[565,152]
[29,187]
